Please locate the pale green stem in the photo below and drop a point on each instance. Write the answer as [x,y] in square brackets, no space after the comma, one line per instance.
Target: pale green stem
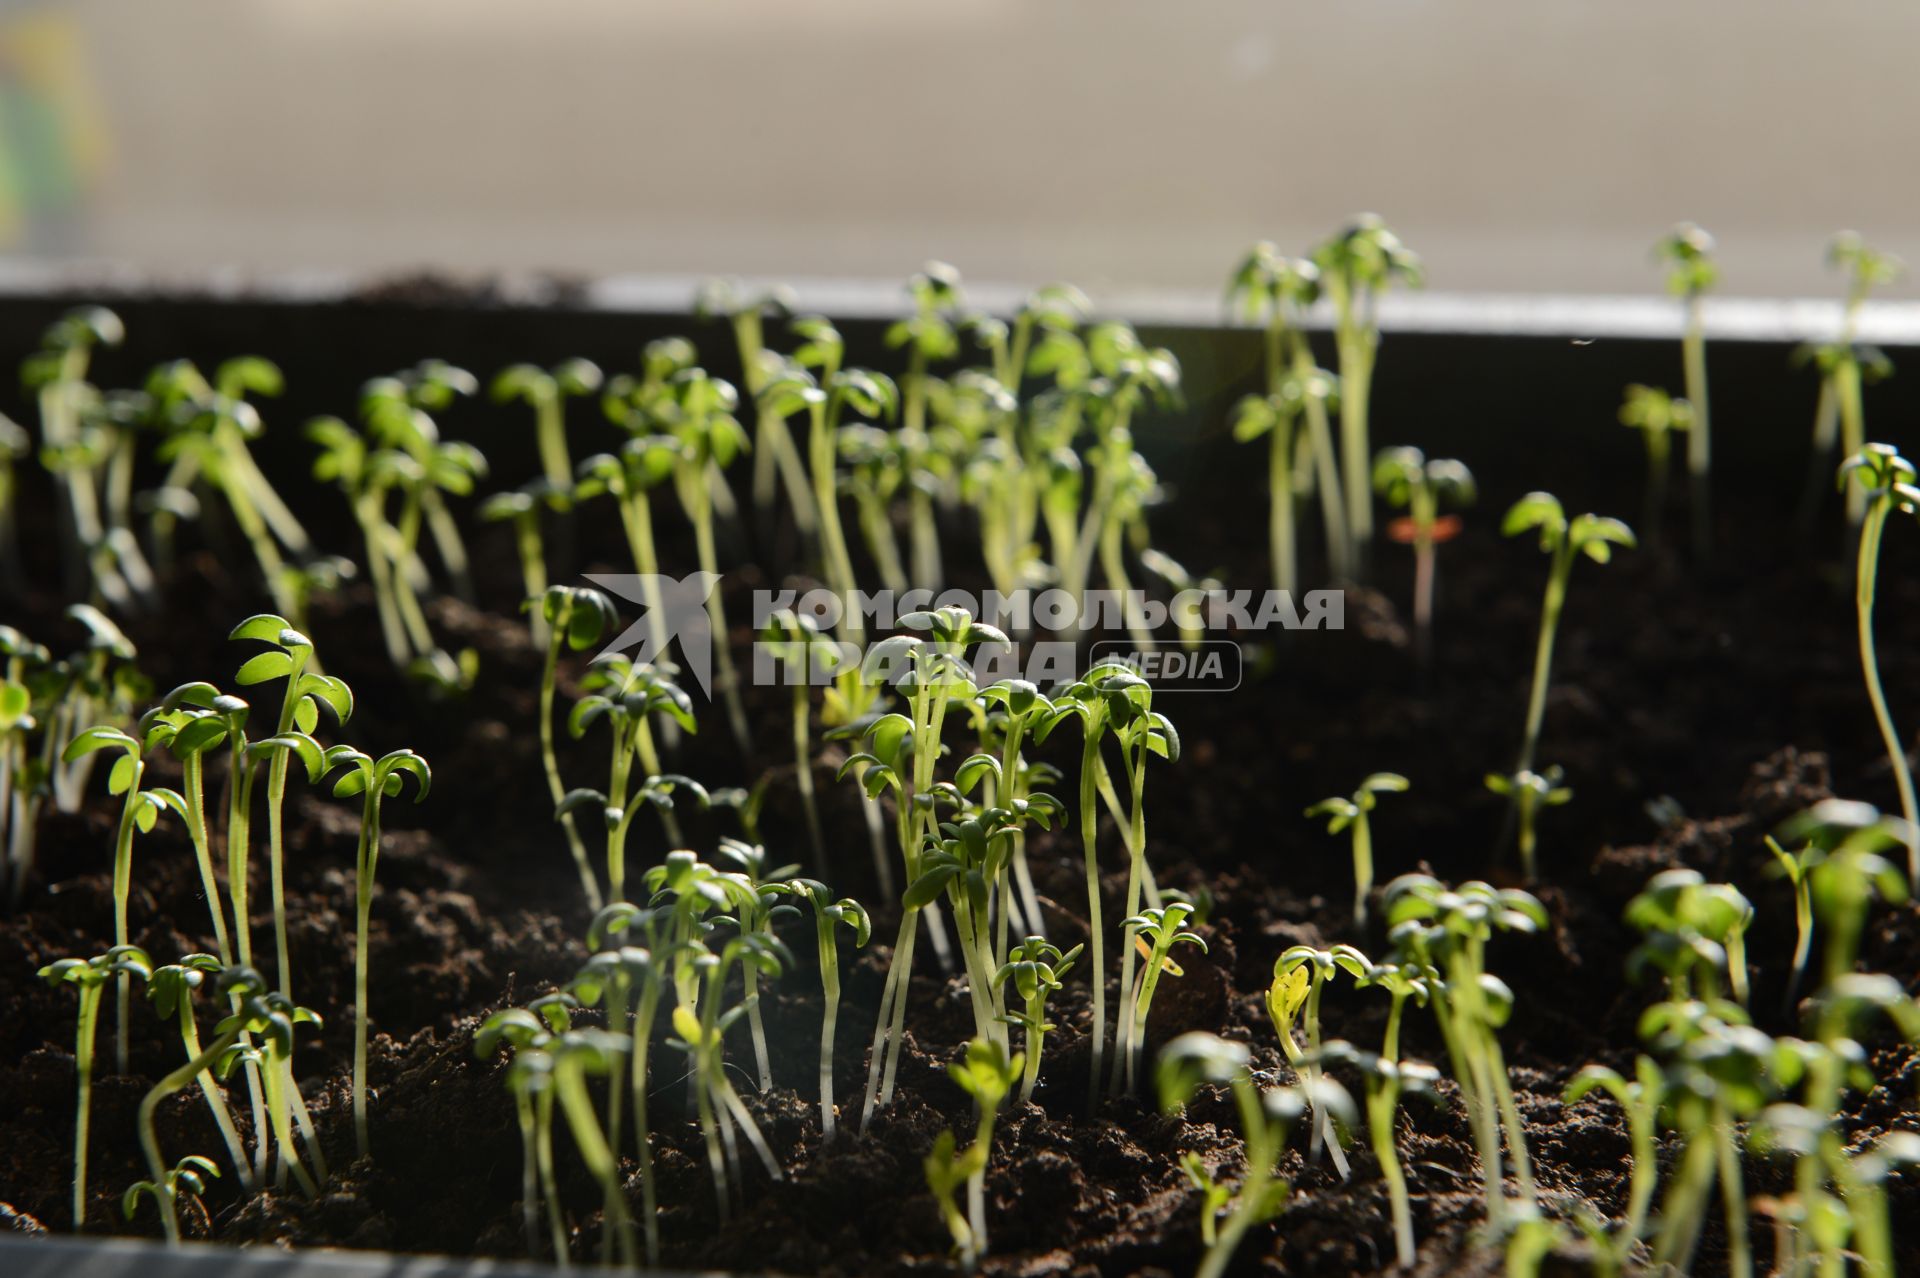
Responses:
[1869,569]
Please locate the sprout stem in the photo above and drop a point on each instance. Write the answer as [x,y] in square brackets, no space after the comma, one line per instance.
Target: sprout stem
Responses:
[589,883]
[1097,944]
[122,889]
[642,1040]
[570,1082]
[1693,350]
[1871,529]
[84,1033]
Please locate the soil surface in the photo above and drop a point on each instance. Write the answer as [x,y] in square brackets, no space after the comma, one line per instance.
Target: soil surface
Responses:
[1730,694]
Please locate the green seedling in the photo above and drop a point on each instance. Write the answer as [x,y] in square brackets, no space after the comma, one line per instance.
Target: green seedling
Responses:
[629,478]
[1036,968]
[577,1055]
[982,856]
[1275,291]
[375,781]
[402,454]
[982,427]
[631,972]
[254,1012]
[828,916]
[901,750]
[700,419]
[1127,377]
[987,1075]
[1848,873]
[1388,1080]
[1266,1118]
[946,1174]
[1846,364]
[210,424]
[1529,792]
[15,444]
[1846,368]
[138,812]
[528,1032]
[1273,416]
[1405,478]
[1155,932]
[1358,264]
[876,467]
[1445,931]
[777,461]
[1720,1073]
[1048,309]
[1819,1230]
[170,989]
[1695,930]
[1299,976]
[611,979]
[1355,814]
[575,618]
[289,656]
[1013,707]
[546,392]
[366,478]
[1564,540]
[57,374]
[189,727]
[186,1181]
[701,1033]
[1657,415]
[1214,1196]
[97,684]
[928,336]
[627,695]
[1640,1099]
[522,509]
[89,979]
[1795,867]
[816,382]
[25,669]
[753,891]
[965,863]
[1687,253]
[1887,480]
[191,722]
[1110,699]
[397,412]
[795,644]
[113,424]
[1836,1182]
[1389,1076]
[273,1019]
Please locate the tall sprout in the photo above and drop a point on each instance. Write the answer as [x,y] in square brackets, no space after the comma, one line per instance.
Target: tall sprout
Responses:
[1687,252]
[1886,479]
[1274,291]
[1846,365]
[1658,416]
[374,780]
[1407,478]
[1564,540]
[1358,264]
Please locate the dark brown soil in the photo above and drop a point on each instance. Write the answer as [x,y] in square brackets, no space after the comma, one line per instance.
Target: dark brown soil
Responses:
[1735,692]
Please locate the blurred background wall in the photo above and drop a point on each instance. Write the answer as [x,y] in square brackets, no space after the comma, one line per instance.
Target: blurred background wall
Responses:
[1520,145]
